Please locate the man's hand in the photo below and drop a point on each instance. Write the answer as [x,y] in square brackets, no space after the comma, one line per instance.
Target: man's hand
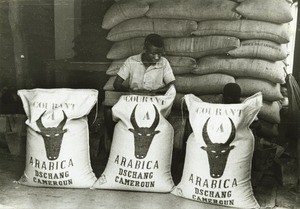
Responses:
[141,92]
[164,89]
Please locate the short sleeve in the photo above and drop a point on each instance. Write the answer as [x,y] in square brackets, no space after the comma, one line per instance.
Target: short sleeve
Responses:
[168,73]
[124,71]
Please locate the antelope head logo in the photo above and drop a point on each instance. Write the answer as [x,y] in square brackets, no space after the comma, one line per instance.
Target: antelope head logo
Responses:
[217,152]
[143,136]
[52,136]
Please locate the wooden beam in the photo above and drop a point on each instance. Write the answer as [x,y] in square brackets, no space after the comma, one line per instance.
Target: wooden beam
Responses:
[67,18]
[20,54]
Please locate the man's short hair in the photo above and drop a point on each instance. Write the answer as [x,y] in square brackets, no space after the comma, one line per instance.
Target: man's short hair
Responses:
[154,40]
[232,93]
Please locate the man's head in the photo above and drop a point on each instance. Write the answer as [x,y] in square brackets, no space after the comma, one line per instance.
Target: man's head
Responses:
[231,93]
[154,48]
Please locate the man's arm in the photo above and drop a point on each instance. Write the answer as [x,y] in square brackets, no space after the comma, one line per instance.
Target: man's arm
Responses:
[169,78]
[118,85]
[164,89]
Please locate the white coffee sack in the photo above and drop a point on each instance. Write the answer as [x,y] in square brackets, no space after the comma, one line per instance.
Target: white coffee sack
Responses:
[57,149]
[142,145]
[217,168]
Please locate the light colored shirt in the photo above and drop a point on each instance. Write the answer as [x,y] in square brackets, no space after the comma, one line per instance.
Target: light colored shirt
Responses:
[142,78]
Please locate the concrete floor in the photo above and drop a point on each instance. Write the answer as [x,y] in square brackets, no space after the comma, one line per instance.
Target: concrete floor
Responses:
[13,195]
[268,192]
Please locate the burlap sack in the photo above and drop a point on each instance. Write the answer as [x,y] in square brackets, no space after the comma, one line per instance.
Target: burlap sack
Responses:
[202,84]
[270,112]
[270,91]
[109,85]
[197,47]
[245,29]
[147,1]
[194,47]
[141,27]
[263,49]
[126,48]
[114,67]
[180,65]
[242,67]
[122,11]
[276,11]
[193,9]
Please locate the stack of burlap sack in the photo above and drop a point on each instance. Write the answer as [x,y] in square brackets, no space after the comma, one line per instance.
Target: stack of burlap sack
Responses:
[208,43]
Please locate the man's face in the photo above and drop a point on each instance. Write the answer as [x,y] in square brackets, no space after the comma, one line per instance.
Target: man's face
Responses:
[153,54]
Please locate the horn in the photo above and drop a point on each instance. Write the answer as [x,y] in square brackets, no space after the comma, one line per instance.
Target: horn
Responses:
[63,122]
[232,133]
[205,134]
[156,120]
[39,122]
[132,119]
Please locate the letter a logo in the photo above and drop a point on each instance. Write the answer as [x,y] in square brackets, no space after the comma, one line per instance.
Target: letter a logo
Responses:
[220,128]
[146,117]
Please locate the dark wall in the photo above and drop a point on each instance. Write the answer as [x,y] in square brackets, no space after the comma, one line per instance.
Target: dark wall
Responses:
[36,27]
[32,28]
[91,45]
[296,70]
[7,66]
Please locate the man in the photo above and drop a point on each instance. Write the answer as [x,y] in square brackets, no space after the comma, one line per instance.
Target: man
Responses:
[147,72]
[231,94]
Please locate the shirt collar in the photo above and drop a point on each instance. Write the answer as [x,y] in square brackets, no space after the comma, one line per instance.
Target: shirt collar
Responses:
[138,58]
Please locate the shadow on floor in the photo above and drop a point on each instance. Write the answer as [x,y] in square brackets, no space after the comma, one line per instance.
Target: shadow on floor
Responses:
[12,195]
